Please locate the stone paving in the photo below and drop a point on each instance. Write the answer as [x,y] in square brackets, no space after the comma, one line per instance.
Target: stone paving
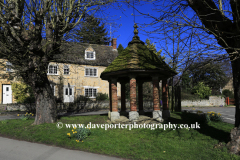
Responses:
[142,119]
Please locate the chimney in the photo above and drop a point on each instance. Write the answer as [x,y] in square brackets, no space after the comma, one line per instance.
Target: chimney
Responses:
[114,43]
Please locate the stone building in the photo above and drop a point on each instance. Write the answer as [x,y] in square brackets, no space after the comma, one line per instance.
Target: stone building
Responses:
[136,65]
[229,85]
[73,73]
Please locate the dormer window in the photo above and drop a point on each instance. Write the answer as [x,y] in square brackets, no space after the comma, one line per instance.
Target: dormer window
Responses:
[90,54]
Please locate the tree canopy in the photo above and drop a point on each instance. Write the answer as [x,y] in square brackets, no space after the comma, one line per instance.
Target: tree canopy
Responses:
[211,74]
[92,31]
[120,48]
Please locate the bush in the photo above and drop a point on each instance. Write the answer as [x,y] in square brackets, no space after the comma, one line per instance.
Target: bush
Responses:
[227,93]
[214,116]
[22,93]
[102,96]
[210,116]
[82,99]
[80,133]
[202,90]
[26,116]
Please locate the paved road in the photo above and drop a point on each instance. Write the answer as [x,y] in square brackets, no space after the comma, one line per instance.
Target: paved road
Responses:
[21,150]
[228,113]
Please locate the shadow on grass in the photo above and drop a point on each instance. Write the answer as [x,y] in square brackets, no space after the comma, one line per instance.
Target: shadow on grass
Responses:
[205,128]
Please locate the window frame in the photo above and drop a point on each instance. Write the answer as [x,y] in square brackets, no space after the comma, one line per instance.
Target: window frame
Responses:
[54,65]
[67,68]
[89,72]
[7,68]
[92,88]
[86,55]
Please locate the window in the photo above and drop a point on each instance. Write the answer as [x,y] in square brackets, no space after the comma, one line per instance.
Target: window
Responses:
[53,89]
[68,91]
[52,69]
[9,67]
[91,92]
[92,72]
[65,69]
[90,55]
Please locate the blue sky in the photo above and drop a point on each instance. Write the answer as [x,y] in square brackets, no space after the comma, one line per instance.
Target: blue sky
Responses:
[124,34]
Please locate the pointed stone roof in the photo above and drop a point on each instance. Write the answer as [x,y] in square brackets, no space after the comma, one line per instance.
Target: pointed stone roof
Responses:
[138,58]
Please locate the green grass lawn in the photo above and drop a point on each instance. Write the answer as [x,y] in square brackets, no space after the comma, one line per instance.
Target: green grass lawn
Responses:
[156,144]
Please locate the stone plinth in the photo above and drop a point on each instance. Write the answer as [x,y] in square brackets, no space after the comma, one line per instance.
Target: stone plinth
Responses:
[113,116]
[157,115]
[133,115]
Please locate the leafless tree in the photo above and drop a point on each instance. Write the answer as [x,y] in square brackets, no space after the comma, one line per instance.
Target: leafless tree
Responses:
[31,33]
[216,23]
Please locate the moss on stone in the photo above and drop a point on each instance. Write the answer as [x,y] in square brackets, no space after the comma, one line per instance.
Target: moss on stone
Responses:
[137,56]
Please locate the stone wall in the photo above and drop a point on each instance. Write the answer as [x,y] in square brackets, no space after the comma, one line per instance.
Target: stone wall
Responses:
[213,101]
[72,106]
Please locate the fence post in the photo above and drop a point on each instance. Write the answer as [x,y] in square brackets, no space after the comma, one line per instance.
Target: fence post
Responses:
[227,100]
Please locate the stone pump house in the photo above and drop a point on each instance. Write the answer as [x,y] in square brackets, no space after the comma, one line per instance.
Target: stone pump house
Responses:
[136,65]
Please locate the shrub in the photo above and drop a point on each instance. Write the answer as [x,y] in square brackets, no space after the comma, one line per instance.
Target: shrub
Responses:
[82,99]
[202,90]
[26,116]
[102,96]
[214,116]
[210,116]
[80,133]
[22,93]
[227,93]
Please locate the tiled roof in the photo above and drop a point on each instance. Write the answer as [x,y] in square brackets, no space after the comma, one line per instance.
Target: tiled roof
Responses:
[138,57]
[73,52]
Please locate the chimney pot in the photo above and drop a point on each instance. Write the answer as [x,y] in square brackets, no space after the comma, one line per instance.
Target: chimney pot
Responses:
[114,43]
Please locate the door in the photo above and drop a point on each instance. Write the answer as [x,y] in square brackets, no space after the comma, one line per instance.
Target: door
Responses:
[7,94]
[68,94]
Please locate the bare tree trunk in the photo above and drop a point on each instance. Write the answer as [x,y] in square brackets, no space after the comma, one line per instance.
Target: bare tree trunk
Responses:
[236,82]
[46,110]
[234,145]
[45,106]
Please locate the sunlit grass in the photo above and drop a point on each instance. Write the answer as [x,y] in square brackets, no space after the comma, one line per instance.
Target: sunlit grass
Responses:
[132,144]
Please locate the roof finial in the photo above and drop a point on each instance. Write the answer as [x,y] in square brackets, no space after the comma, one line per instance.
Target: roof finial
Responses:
[135,30]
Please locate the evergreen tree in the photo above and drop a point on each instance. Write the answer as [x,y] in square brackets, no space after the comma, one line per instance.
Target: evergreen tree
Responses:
[152,46]
[92,32]
[120,48]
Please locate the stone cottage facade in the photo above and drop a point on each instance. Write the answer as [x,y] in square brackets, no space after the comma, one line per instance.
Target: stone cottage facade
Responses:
[76,72]
[229,85]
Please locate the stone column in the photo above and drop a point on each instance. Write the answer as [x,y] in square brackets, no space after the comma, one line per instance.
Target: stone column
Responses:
[166,112]
[123,98]
[114,101]
[140,97]
[133,114]
[157,114]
